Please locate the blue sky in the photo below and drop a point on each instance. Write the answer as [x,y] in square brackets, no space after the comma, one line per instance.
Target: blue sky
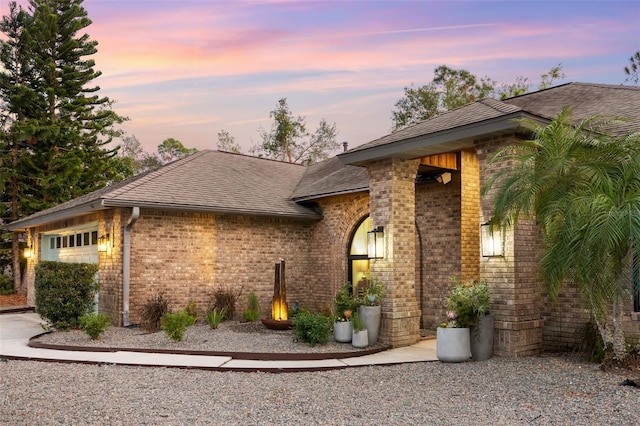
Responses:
[188,69]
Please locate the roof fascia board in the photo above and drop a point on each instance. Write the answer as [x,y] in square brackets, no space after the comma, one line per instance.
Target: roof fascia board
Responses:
[204,209]
[498,124]
[330,194]
[90,207]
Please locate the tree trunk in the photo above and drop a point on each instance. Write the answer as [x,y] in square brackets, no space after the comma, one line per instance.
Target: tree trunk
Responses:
[17,278]
[618,332]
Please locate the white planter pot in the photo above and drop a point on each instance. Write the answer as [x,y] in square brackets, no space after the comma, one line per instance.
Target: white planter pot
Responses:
[360,339]
[370,316]
[453,344]
[342,331]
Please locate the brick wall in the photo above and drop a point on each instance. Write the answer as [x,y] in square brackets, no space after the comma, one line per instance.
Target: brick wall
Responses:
[110,263]
[331,239]
[247,249]
[438,218]
[448,236]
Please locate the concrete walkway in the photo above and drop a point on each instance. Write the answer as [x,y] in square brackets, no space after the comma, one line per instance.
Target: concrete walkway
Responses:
[17,328]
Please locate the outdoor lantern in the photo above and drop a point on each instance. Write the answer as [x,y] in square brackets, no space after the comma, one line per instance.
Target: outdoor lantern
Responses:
[375,243]
[29,252]
[491,240]
[103,243]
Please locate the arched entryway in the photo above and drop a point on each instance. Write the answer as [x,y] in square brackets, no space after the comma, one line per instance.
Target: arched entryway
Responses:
[358,260]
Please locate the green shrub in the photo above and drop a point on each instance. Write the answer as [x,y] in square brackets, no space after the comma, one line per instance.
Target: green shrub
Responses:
[252,313]
[215,317]
[174,325]
[470,300]
[94,324]
[6,286]
[312,328]
[344,302]
[65,292]
[192,309]
[153,311]
[225,298]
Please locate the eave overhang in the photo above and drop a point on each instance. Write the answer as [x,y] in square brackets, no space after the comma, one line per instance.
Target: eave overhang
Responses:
[452,139]
[102,204]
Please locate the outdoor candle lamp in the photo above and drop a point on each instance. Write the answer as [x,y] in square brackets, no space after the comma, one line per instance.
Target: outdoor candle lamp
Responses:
[375,243]
[103,243]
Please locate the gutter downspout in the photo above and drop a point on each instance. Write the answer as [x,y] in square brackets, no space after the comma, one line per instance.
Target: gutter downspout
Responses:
[126,264]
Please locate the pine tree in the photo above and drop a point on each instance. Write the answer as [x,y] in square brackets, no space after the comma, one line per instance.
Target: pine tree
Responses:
[56,127]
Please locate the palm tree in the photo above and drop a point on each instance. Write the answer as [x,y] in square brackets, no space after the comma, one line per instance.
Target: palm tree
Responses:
[582,185]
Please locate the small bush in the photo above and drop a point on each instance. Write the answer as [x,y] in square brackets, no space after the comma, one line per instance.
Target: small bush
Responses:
[215,317]
[94,324]
[225,298]
[174,325]
[6,286]
[153,311]
[312,328]
[252,313]
[192,309]
[65,292]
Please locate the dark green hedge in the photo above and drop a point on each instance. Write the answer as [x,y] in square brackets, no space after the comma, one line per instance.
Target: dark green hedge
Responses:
[65,292]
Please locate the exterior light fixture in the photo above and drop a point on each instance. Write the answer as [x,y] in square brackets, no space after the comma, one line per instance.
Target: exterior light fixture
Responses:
[375,243]
[29,252]
[103,243]
[444,178]
[491,239]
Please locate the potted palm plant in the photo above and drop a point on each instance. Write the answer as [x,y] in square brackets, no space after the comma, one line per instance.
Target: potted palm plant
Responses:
[343,305]
[370,309]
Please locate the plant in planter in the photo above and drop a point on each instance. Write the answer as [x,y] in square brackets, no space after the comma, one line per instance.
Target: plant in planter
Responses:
[370,309]
[343,305]
[471,302]
[360,335]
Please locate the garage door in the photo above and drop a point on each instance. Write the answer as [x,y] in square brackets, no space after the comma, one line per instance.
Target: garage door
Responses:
[73,246]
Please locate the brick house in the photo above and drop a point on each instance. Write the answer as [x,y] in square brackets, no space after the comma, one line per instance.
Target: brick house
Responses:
[221,219]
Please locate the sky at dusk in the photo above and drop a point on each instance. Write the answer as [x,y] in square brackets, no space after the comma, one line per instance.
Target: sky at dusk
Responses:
[188,69]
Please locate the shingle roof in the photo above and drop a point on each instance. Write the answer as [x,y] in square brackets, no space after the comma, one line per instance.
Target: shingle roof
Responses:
[585,100]
[487,115]
[210,181]
[331,177]
[475,112]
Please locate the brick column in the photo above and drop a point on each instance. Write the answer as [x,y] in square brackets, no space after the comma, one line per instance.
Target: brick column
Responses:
[511,278]
[392,205]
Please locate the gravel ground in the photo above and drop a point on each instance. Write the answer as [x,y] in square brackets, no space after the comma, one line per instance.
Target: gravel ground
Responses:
[230,336]
[501,391]
[547,390]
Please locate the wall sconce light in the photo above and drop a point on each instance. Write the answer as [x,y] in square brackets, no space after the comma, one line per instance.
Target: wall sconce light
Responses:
[29,252]
[103,243]
[491,240]
[375,243]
